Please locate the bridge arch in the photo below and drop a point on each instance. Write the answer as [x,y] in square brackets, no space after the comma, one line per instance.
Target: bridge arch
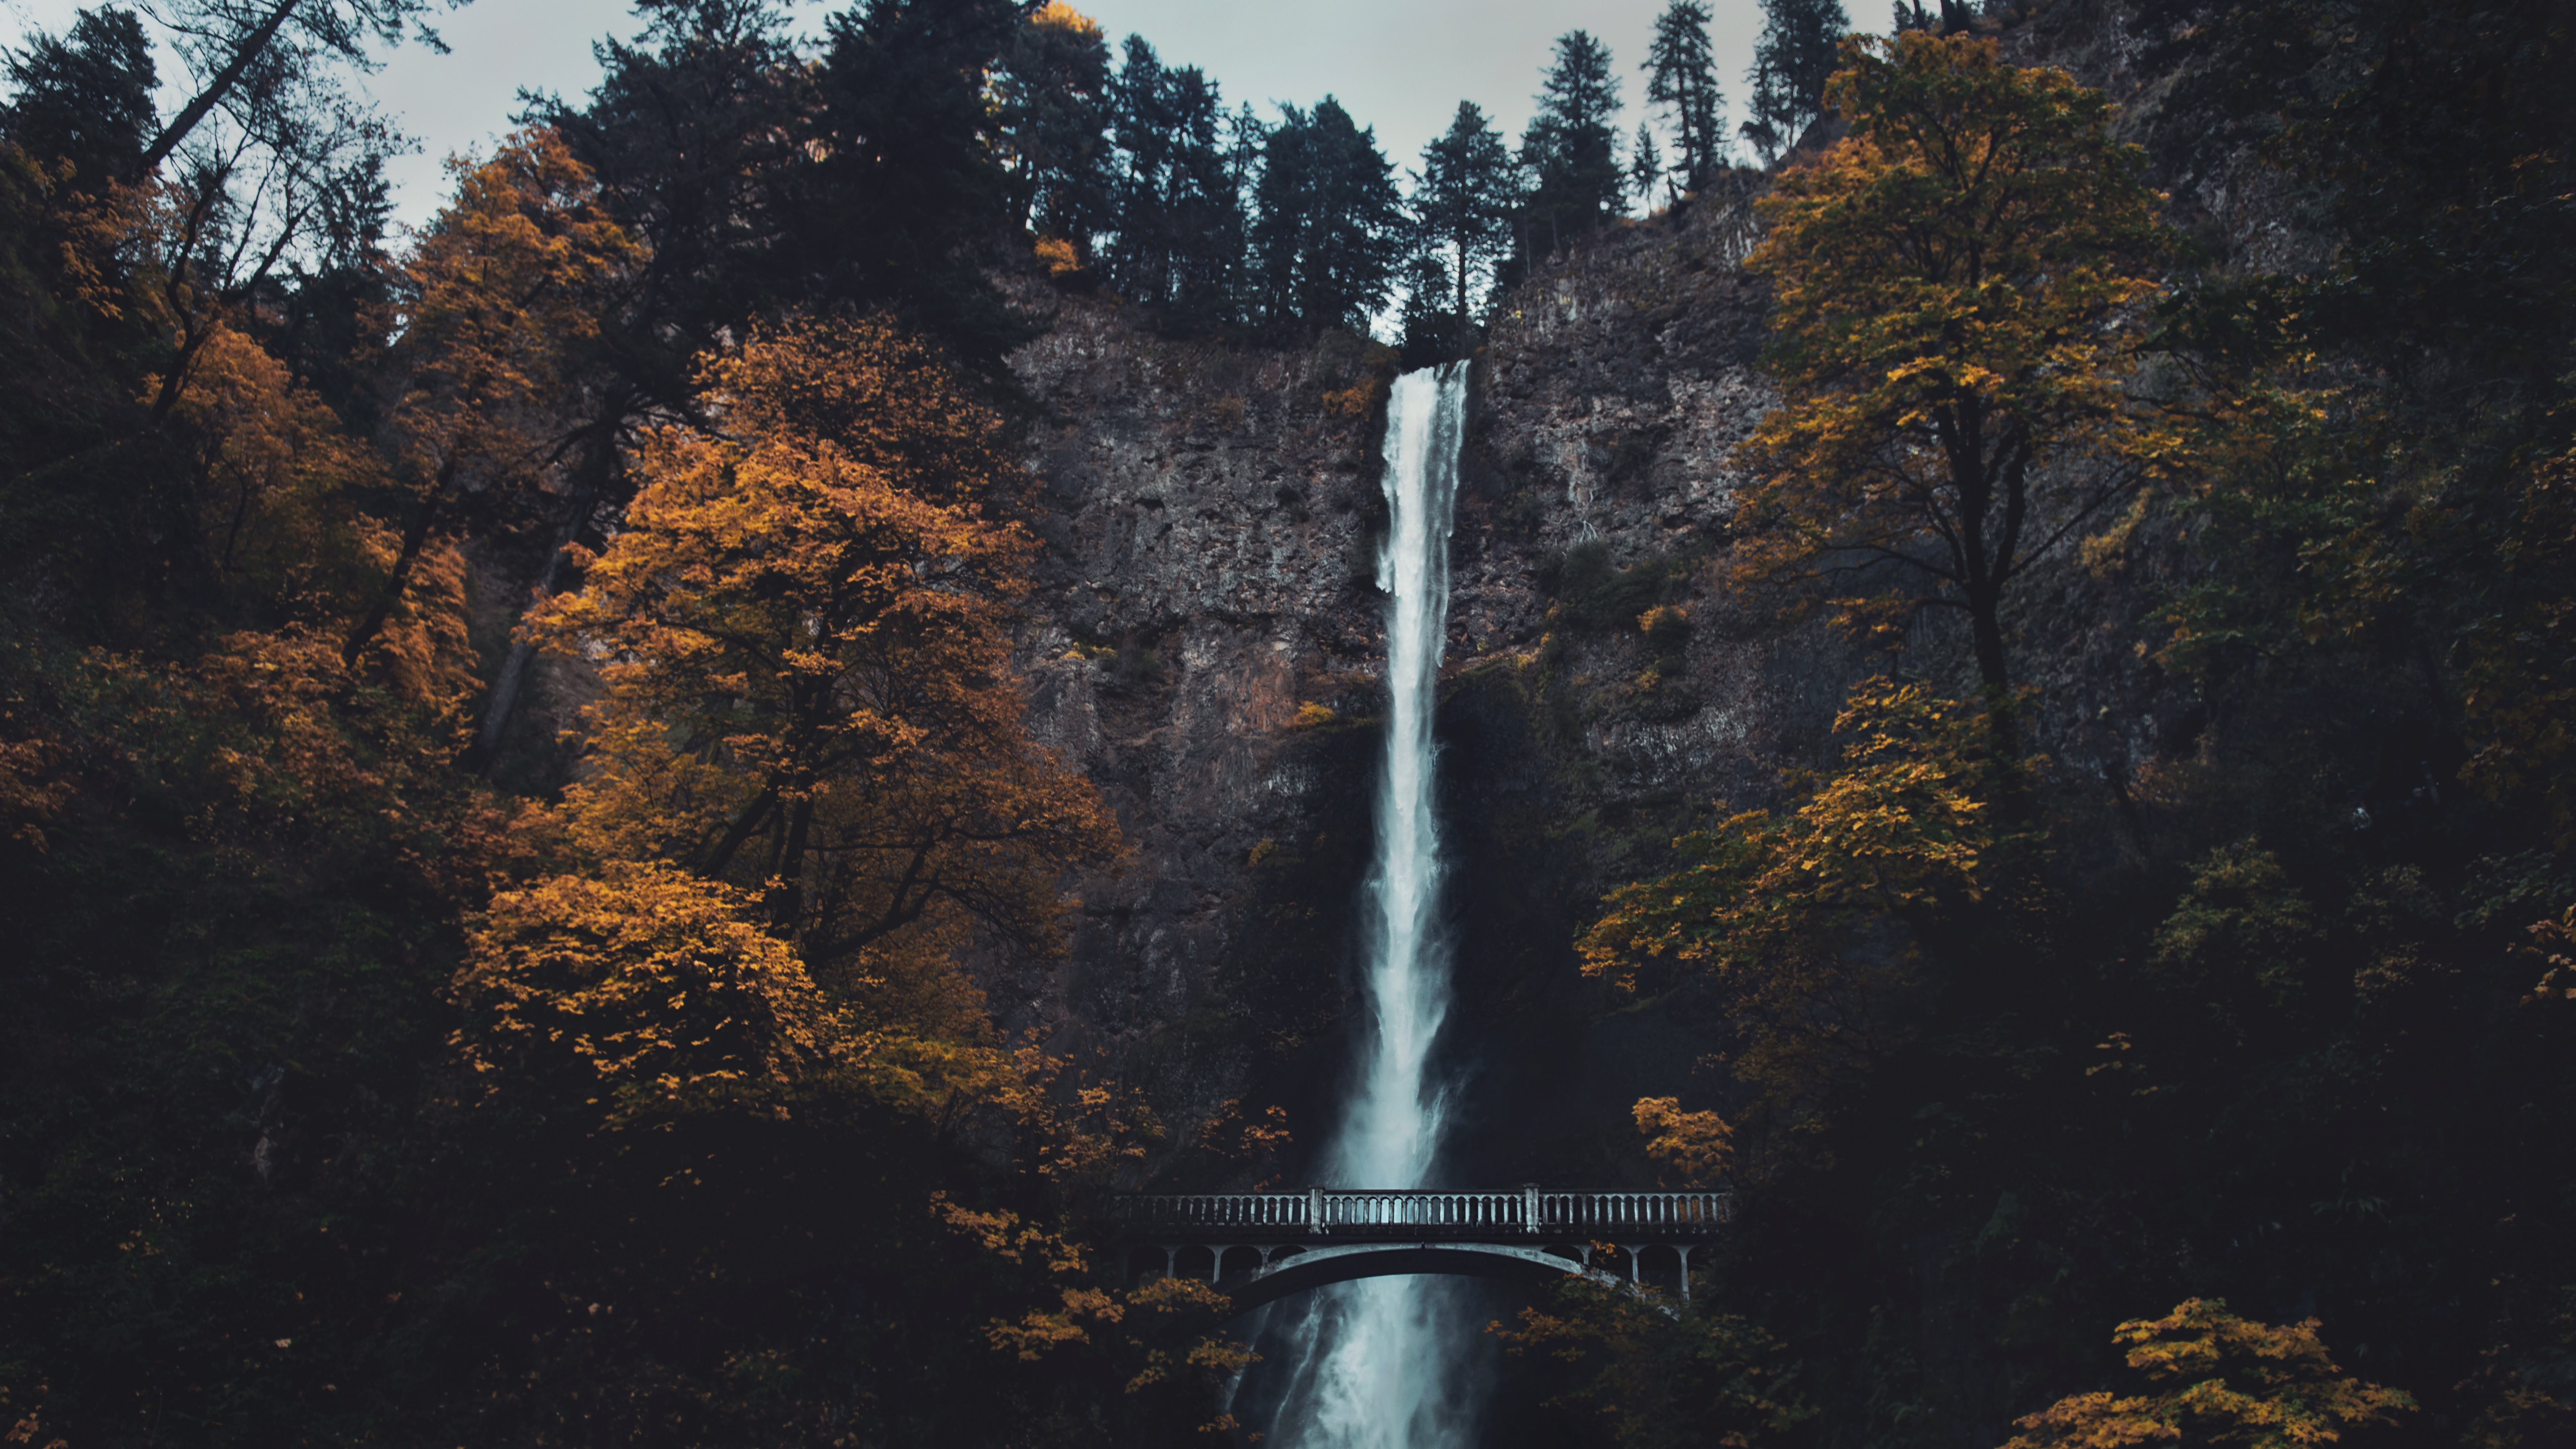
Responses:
[1325,1235]
[1305,1269]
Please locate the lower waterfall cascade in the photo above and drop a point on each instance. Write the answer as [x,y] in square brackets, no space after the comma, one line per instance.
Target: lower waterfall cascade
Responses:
[1374,1364]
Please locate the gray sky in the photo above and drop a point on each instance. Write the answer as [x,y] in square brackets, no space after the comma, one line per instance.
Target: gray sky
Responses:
[1400,66]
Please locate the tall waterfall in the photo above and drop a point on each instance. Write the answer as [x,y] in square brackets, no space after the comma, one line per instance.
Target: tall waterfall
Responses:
[1375,1361]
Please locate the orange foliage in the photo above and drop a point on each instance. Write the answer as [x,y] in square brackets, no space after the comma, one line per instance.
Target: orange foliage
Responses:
[1698,1145]
[662,986]
[805,630]
[2554,943]
[2227,1380]
[1802,920]
[507,286]
[499,307]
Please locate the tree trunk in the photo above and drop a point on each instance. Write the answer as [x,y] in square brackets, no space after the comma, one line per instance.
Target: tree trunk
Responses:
[1986,626]
[790,902]
[195,111]
[413,539]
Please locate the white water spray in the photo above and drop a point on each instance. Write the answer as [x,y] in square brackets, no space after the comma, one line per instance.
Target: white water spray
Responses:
[1373,1365]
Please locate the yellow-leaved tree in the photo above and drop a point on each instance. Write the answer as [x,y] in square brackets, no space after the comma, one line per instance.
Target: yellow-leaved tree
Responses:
[805,629]
[1801,920]
[1960,338]
[809,791]
[2216,1378]
[496,307]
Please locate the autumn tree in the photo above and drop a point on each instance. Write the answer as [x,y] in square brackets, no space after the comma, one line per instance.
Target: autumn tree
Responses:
[1959,337]
[2216,1378]
[651,988]
[1791,916]
[496,306]
[805,628]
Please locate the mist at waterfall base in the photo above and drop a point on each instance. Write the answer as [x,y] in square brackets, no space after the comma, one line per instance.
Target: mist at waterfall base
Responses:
[1385,1363]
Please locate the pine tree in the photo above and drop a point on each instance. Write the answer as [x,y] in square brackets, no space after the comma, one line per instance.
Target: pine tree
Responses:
[1428,332]
[1142,129]
[1769,99]
[1203,206]
[1055,100]
[1180,229]
[1330,228]
[85,98]
[1682,75]
[1791,62]
[1463,200]
[1645,166]
[1571,147]
[908,185]
[694,134]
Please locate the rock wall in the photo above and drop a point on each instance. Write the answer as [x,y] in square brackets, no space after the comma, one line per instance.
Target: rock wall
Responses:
[1207,645]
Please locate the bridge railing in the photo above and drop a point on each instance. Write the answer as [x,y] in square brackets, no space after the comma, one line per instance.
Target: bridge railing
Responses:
[1528,1212]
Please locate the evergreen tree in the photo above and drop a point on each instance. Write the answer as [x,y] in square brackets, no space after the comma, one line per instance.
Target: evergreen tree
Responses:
[1645,166]
[692,134]
[85,97]
[1055,105]
[1141,128]
[1203,204]
[1428,331]
[1330,229]
[1463,200]
[1571,148]
[908,186]
[1769,98]
[1791,62]
[1682,76]
[1179,237]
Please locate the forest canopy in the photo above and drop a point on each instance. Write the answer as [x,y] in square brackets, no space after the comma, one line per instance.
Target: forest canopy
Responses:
[547,843]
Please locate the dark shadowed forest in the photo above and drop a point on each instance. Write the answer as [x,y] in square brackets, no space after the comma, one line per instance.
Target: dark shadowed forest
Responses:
[525,844]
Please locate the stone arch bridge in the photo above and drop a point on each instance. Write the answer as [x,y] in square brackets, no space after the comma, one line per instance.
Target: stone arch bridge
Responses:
[1263,1246]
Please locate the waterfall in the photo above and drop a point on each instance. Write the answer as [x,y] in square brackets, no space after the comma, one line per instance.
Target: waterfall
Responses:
[1374,1362]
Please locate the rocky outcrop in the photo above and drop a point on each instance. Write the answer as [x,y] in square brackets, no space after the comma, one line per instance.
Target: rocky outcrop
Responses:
[1206,644]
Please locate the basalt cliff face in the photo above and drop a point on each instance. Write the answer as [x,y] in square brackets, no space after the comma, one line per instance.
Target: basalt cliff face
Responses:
[1207,643]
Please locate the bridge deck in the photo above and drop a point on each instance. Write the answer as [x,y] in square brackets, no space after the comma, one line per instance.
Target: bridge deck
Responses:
[1529,1214]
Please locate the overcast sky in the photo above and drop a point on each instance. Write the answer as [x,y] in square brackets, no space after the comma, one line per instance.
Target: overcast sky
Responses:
[1400,66]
